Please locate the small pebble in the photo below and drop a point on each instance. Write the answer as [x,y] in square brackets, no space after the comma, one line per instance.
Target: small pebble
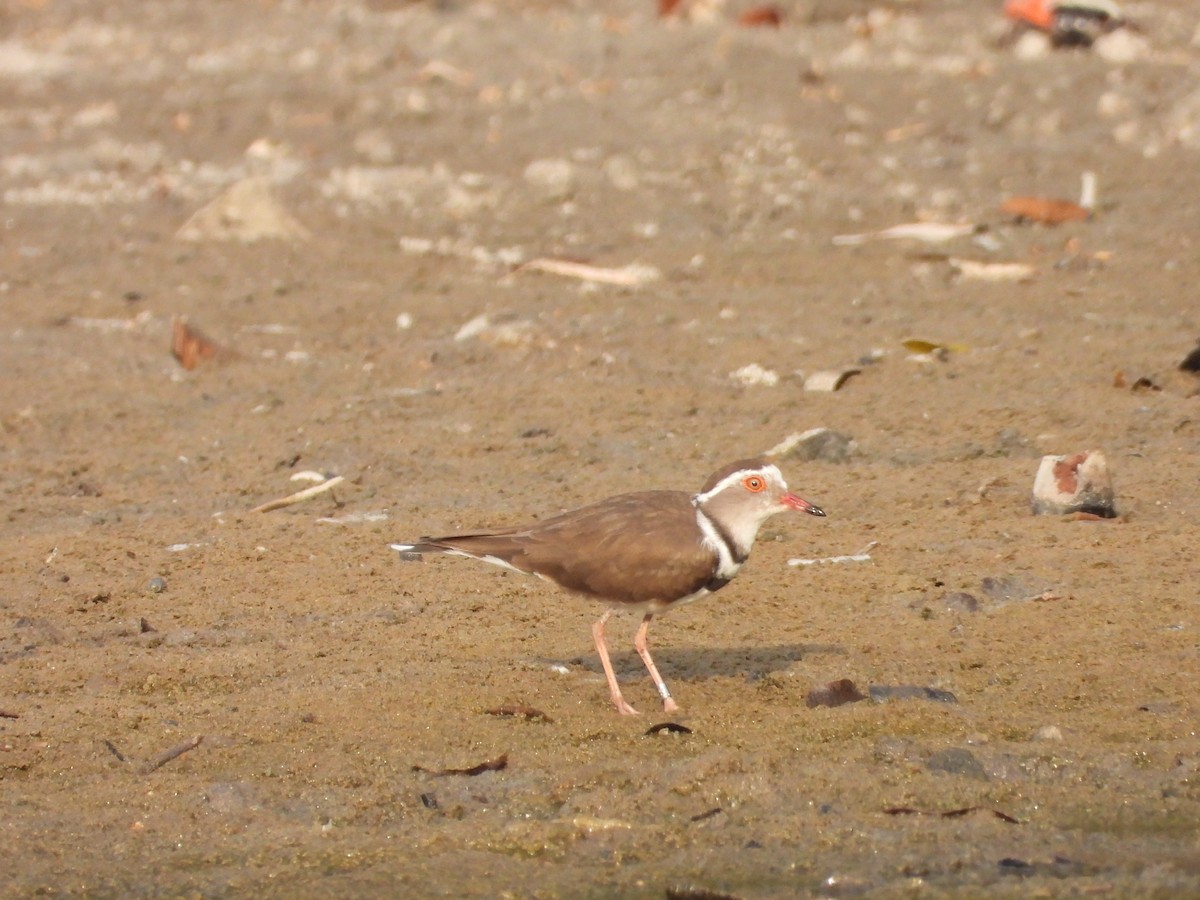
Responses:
[1048,733]
[957,761]
[157,585]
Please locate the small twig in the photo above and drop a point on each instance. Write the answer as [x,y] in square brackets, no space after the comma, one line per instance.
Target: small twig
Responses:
[491,765]
[167,755]
[300,496]
[626,276]
[863,555]
[112,748]
[5,714]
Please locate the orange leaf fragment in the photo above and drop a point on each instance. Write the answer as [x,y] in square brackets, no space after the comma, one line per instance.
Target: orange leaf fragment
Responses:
[761,16]
[1038,13]
[189,345]
[1045,210]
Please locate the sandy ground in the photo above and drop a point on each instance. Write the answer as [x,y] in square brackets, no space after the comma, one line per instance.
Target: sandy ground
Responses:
[419,153]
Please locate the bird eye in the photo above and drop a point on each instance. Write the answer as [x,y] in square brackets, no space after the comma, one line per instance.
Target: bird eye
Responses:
[754,483]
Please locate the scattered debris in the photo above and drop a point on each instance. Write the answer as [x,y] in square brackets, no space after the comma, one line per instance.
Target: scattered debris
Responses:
[592,824]
[518,711]
[1047,733]
[109,325]
[671,727]
[505,331]
[961,601]
[1069,23]
[491,765]
[863,555]
[835,693]
[553,180]
[885,693]
[1072,484]
[950,813]
[933,350]
[356,519]
[173,753]
[309,475]
[753,375]
[429,801]
[190,345]
[971,270]
[1049,211]
[1044,210]
[632,275]
[246,211]
[112,748]
[957,761]
[300,496]
[761,16]
[692,892]
[926,232]
[828,380]
[1015,588]
[1059,867]
[817,443]
[1191,362]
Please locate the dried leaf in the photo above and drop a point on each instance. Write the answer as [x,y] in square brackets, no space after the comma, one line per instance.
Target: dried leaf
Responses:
[491,765]
[190,345]
[760,16]
[1044,210]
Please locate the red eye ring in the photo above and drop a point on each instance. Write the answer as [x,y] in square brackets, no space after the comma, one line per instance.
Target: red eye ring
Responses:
[754,483]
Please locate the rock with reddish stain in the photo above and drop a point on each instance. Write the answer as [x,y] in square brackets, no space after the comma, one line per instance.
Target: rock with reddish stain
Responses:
[1073,484]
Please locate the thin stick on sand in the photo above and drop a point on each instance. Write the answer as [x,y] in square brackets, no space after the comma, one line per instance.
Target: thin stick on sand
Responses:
[300,496]
[631,275]
[174,753]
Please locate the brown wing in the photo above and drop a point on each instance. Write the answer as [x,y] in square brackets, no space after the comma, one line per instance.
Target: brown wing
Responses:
[633,548]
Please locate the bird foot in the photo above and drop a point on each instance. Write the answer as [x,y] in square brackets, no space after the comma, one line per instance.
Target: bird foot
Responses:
[624,708]
[669,705]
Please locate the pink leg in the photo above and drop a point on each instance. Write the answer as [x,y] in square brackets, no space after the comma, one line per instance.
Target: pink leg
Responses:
[639,644]
[602,648]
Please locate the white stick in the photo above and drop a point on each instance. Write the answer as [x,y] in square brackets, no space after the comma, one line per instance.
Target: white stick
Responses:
[300,496]
[861,556]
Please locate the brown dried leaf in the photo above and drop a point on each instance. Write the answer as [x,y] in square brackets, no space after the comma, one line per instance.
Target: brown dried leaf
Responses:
[1045,210]
[761,16]
[190,345]
[491,765]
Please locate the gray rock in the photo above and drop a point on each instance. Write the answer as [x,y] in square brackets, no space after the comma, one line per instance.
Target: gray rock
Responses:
[957,761]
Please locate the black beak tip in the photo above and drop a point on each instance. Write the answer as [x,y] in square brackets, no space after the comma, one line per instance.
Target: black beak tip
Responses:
[816,511]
